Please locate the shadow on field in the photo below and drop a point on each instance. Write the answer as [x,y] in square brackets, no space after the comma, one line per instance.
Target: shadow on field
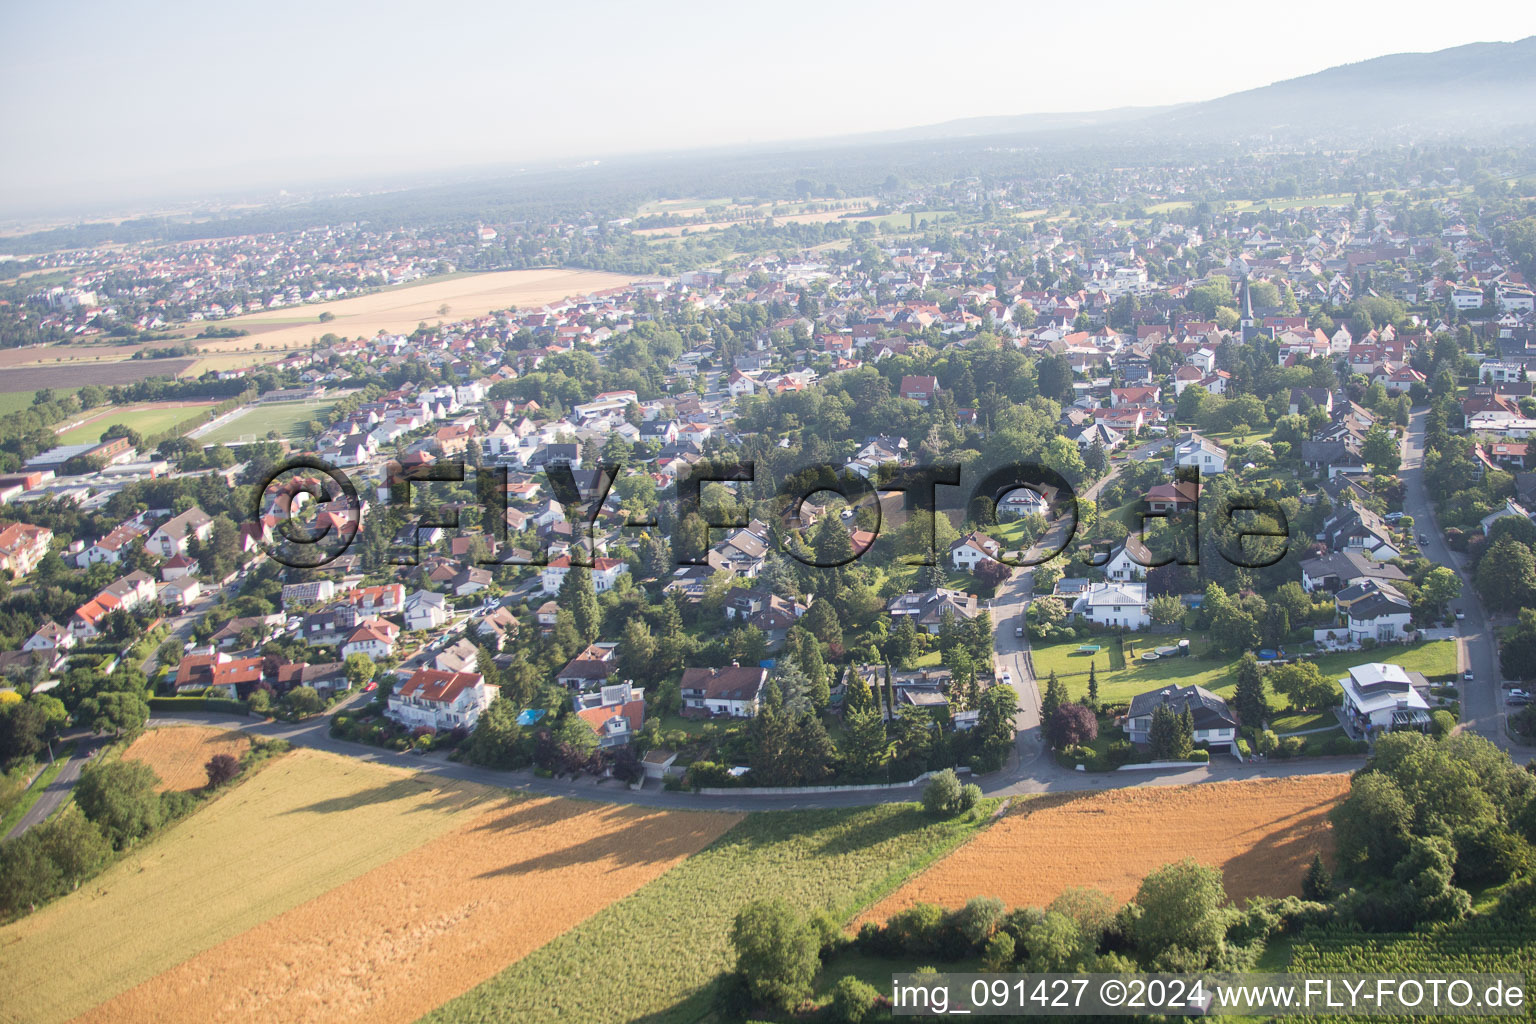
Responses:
[1282,852]
[616,836]
[445,797]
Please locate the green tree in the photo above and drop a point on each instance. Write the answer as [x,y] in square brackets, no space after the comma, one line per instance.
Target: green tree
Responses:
[865,746]
[360,670]
[1166,735]
[498,740]
[1248,700]
[577,594]
[118,712]
[1166,609]
[941,796]
[304,700]
[121,799]
[1054,697]
[776,953]
[1181,905]
[1506,576]
[1381,450]
[1304,685]
[852,1000]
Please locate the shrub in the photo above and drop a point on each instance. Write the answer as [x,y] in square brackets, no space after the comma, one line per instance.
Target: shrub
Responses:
[852,999]
[1341,745]
[1291,746]
[775,952]
[999,953]
[1442,723]
[1244,748]
[970,796]
[221,768]
[1119,752]
[978,919]
[942,794]
[917,930]
[1201,756]
[1266,741]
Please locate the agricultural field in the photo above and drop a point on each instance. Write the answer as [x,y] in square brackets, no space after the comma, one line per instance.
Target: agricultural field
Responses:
[653,955]
[178,754]
[401,309]
[148,420]
[1261,833]
[299,827]
[397,941]
[76,371]
[287,418]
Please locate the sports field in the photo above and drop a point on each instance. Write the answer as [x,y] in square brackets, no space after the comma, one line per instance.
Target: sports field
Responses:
[287,418]
[148,420]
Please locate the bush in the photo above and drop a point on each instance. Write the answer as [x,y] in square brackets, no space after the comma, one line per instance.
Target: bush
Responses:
[776,952]
[1442,723]
[942,794]
[1341,745]
[1200,756]
[1291,746]
[970,796]
[917,930]
[1266,741]
[1244,749]
[852,999]
[221,768]
[1119,752]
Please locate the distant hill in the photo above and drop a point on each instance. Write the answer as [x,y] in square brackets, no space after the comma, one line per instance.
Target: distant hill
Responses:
[1466,90]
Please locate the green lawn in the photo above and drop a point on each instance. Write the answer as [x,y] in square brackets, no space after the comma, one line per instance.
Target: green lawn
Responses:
[16,401]
[287,418]
[1216,673]
[1302,720]
[653,955]
[146,421]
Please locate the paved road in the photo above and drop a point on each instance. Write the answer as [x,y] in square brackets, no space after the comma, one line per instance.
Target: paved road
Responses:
[59,789]
[1482,699]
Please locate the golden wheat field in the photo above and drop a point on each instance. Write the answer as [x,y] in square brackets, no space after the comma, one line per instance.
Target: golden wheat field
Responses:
[179,753]
[299,827]
[401,309]
[1261,833]
[392,944]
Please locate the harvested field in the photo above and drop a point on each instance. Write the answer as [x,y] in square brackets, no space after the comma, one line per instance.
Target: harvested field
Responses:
[178,753]
[299,827]
[48,355]
[71,375]
[1261,833]
[401,309]
[409,935]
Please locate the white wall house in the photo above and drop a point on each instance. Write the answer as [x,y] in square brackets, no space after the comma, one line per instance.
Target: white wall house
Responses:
[1207,456]
[438,700]
[1114,604]
[1380,696]
[973,549]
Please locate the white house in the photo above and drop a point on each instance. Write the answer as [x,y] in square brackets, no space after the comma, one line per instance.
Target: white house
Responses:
[605,573]
[1122,564]
[425,610]
[1114,604]
[1374,610]
[1378,696]
[733,692]
[1201,453]
[373,637]
[173,535]
[973,549]
[1511,510]
[437,700]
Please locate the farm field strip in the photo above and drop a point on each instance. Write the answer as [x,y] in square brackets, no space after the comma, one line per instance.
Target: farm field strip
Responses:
[401,309]
[69,375]
[651,955]
[302,825]
[397,942]
[179,753]
[1261,833]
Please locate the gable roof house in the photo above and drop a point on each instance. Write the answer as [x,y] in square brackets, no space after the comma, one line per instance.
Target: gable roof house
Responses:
[1374,610]
[1201,453]
[172,536]
[1114,604]
[591,667]
[435,700]
[1215,723]
[733,692]
[1360,529]
[973,549]
[615,713]
[928,607]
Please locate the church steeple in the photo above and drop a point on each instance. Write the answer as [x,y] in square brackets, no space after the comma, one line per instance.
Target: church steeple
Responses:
[1245,303]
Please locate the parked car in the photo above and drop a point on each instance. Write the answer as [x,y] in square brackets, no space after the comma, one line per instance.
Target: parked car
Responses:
[1018,630]
[1466,677]
[1423,539]
[1516,702]
[1460,614]
[1518,694]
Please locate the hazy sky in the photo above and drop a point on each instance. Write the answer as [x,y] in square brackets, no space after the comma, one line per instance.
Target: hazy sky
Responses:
[100,100]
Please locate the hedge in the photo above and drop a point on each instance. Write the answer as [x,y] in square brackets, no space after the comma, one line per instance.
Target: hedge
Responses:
[197,703]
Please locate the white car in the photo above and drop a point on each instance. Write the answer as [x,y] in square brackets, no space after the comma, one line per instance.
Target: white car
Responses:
[1460,614]
[1007,676]
[1519,694]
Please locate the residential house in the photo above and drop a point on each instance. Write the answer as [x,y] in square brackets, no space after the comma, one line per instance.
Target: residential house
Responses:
[927,608]
[605,573]
[733,692]
[615,713]
[1114,604]
[1380,697]
[373,637]
[1336,570]
[973,549]
[426,610]
[173,535]
[1200,453]
[1215,723]
[22,546]
[439,701]
[460,656]
[1374,610]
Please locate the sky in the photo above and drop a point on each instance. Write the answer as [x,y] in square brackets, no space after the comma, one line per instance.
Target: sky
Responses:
[104,102]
